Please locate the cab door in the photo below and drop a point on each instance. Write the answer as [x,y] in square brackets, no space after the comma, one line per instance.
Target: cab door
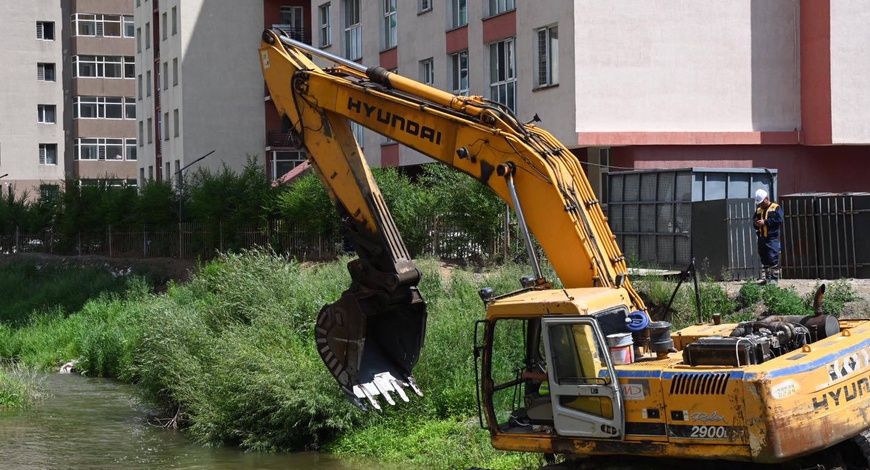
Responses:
[585,395]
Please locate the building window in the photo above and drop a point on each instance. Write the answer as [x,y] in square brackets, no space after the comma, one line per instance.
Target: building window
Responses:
[48,154]
[86,24]
[129,67]
[98,107]
[99,149]
[45,30]
[139,86]
[176,123]
[164,26]
[175,71]
[98,66]
[45,72]
[147,35]
[358,133]
[166,75]
[427,72]
[46,113]
[150,131]
[325,25]
[283,162]
[139,40]
[291,21]
[458,13]
[166,126]
[424,5]
[389,23]
[352,30]
[174,21]
[130,149]
[148,83]
[459,73]
[503,74]
[129,108]
[547,70]
[129,26]
[141,134]
[497,7]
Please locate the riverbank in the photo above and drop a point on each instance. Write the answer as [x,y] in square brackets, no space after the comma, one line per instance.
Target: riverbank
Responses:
[229,355]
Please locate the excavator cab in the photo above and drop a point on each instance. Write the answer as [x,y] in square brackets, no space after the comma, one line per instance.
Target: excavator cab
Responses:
[577,394]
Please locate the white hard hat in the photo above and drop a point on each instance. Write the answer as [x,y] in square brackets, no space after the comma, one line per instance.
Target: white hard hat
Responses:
[760,195]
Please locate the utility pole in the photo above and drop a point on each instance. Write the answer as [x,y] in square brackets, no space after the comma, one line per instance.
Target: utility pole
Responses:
[180,176]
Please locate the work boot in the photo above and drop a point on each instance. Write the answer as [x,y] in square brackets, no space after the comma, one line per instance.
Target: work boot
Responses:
[765,275]
[773,275]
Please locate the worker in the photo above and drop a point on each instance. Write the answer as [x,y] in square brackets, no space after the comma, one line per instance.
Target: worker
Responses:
[768,220]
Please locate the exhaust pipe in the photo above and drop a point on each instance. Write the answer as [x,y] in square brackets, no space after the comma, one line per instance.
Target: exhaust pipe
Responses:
[817,300]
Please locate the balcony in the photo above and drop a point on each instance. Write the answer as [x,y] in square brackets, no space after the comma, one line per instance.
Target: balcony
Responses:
[294,32]
[279,140]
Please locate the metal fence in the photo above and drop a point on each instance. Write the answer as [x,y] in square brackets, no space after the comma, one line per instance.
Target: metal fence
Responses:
[824,235]
[197,240]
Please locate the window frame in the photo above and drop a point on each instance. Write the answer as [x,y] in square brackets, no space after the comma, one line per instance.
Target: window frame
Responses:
[43,111]
[352,47]
[42,71]
[456,68]
[97,25]
[99,107]
[547,56]
[503,73]
[389,25]
[45,26]
[497,7]
[44,154]
[98,148]
[423,6]
[323,13]
[458,13]
[427,71]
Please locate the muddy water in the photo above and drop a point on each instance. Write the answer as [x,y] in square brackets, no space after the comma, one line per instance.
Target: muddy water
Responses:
[87,423]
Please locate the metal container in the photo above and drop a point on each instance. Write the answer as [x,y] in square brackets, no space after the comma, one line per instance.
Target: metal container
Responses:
[651,212]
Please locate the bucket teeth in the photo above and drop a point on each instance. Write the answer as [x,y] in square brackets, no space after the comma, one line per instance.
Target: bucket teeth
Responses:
[383,384]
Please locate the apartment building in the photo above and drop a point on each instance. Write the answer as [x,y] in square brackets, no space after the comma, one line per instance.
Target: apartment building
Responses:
[199,86]
[66,90]
[32,139]
[639,84]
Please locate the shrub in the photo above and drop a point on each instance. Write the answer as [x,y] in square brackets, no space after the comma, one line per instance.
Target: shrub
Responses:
[779,301]
[837,295]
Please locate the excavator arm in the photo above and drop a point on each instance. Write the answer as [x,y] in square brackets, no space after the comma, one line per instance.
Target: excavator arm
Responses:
[524,165]
[370,339]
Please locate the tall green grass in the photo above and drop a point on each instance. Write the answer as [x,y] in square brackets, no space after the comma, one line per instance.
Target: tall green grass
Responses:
[19,387]
[28,287]
[231,356]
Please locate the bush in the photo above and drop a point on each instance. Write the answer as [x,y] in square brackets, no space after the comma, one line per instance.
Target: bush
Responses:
[19,387]
[836,296]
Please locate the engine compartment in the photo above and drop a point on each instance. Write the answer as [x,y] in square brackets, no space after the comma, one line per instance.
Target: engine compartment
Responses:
[758,341]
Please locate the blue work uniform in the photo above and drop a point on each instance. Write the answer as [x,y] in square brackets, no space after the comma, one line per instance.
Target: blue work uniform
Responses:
[768,234]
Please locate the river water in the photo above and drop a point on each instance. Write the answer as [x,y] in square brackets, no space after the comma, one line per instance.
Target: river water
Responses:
[90,423]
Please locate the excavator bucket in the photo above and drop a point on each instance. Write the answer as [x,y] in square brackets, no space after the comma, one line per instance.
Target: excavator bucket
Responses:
[370,341]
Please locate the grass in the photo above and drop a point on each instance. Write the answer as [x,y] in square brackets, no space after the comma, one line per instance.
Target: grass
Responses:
[19,387]
[27,287]
[230,355]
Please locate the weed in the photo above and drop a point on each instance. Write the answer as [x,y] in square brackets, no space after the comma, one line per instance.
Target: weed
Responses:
[779,301]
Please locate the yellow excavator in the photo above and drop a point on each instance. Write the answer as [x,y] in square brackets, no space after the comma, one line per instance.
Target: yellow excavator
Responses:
[578,369]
